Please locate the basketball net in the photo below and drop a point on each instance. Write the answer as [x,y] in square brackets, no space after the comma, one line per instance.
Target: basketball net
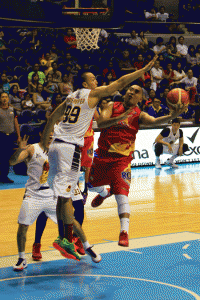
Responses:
[87,38]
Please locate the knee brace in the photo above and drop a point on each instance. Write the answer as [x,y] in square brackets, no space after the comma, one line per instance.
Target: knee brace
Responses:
[158,149]
[122,204]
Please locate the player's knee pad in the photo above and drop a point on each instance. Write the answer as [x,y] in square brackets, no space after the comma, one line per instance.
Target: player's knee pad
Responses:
[122,204]
[158,149]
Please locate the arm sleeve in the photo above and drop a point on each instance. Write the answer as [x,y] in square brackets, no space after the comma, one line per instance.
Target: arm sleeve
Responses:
[181,133]
[165,132]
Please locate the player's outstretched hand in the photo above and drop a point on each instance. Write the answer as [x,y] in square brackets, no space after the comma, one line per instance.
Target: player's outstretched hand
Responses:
[151,63]
[23,142]
[179,109]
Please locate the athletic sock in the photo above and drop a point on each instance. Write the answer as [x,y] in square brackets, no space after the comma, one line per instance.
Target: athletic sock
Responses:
[86,245]
[124,224]
[61,229]
[22,255]
[103,192]
[68,232]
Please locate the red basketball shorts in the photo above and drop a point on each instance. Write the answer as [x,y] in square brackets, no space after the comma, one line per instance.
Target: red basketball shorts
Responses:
[112,170]
[87,152]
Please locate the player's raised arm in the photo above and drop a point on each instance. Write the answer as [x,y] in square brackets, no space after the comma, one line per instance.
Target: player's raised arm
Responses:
[55,116]
[146,119]
[105,119]
[105,91]
[22,153]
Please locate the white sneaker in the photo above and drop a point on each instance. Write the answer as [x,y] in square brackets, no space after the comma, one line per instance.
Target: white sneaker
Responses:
[95,257]
[158,165]
[171,164]
[20,265]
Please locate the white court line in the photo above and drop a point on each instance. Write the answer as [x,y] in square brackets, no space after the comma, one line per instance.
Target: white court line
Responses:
[197,297]
[109,247]
[186,246]
[187,256]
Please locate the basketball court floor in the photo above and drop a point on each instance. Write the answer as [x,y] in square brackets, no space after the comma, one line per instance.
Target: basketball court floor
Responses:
[161,262]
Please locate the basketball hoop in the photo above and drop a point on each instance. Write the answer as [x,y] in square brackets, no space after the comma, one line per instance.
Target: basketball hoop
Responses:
[87,38]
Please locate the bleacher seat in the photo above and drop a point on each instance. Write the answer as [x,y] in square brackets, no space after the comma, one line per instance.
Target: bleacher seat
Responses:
[40,115]
[26,116]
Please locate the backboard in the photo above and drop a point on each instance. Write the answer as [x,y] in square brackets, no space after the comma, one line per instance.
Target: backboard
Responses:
[62,14]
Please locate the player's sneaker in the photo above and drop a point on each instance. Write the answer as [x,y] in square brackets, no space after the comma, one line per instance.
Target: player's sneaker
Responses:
[94,256]
[20,265]
[36,255]
[123,239]
[78,245]
[98,200]
[67,249]
[157,164]
[171,164]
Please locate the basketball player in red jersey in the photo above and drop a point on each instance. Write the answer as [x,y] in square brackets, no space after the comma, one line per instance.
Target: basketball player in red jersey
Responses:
[112,160]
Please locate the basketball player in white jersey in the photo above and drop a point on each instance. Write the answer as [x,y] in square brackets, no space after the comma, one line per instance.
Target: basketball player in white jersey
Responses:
[64,152]
[38,196]
[170,141]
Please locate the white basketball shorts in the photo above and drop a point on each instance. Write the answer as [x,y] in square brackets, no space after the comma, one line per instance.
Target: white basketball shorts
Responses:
[64,162]
[31,208]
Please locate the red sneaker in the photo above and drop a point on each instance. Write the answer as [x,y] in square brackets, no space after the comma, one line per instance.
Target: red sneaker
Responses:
[123,239]
[98,200]
[79,246]
[36,255]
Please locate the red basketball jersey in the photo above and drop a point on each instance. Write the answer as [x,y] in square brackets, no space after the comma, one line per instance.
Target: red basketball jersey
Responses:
[90,131]
[121,137]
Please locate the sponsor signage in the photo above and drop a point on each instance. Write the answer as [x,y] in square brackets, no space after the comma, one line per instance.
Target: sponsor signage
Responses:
[144,151]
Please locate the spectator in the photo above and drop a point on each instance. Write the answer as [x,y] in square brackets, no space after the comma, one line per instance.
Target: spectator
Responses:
[178,72]
[46,63]
[33,40]
[139,63]
[168,74]
[163,99]
[69,60]
[110,69]
[70,39]
[190,83]
[162,15]
[53,53]
[135,41]
[151,16]
[103,37]
[85,67]
[27,103]
[108,79]
[171,48]
[36,69]
[148,57]
[157,109]
[198,54]
[38,98]
[50,87]
[5,85]
[32,85]
[56,75]
[161,59]
[66,86]
[9,133]
[181,47]
[145,94]
[56,100]
[125,63]
[188,115]
[152,95]
[144,40]
[157,75]
[3,47]
[14,99]
[192,59]
[159,47]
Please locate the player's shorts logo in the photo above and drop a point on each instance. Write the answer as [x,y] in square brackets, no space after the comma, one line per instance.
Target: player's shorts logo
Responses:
[45,172]
[90,152]
[126,175]
[68,189]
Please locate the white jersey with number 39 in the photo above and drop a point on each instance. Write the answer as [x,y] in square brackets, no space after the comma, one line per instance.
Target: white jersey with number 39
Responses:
[78,116]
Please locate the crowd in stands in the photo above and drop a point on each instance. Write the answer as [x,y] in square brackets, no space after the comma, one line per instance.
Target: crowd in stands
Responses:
[40,68]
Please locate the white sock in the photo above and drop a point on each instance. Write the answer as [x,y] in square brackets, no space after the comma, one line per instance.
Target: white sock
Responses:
[124,224]
[157,159]
[86,245]
[22,255]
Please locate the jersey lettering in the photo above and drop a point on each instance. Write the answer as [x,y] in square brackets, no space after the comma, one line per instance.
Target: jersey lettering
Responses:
[72,115]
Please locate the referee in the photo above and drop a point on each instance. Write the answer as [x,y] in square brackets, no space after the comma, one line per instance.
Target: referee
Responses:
[9,133]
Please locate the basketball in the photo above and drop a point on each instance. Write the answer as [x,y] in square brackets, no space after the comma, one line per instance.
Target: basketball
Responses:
[177,96]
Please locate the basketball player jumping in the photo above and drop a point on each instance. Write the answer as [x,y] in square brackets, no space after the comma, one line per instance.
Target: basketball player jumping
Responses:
[64,152]
[112,161]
